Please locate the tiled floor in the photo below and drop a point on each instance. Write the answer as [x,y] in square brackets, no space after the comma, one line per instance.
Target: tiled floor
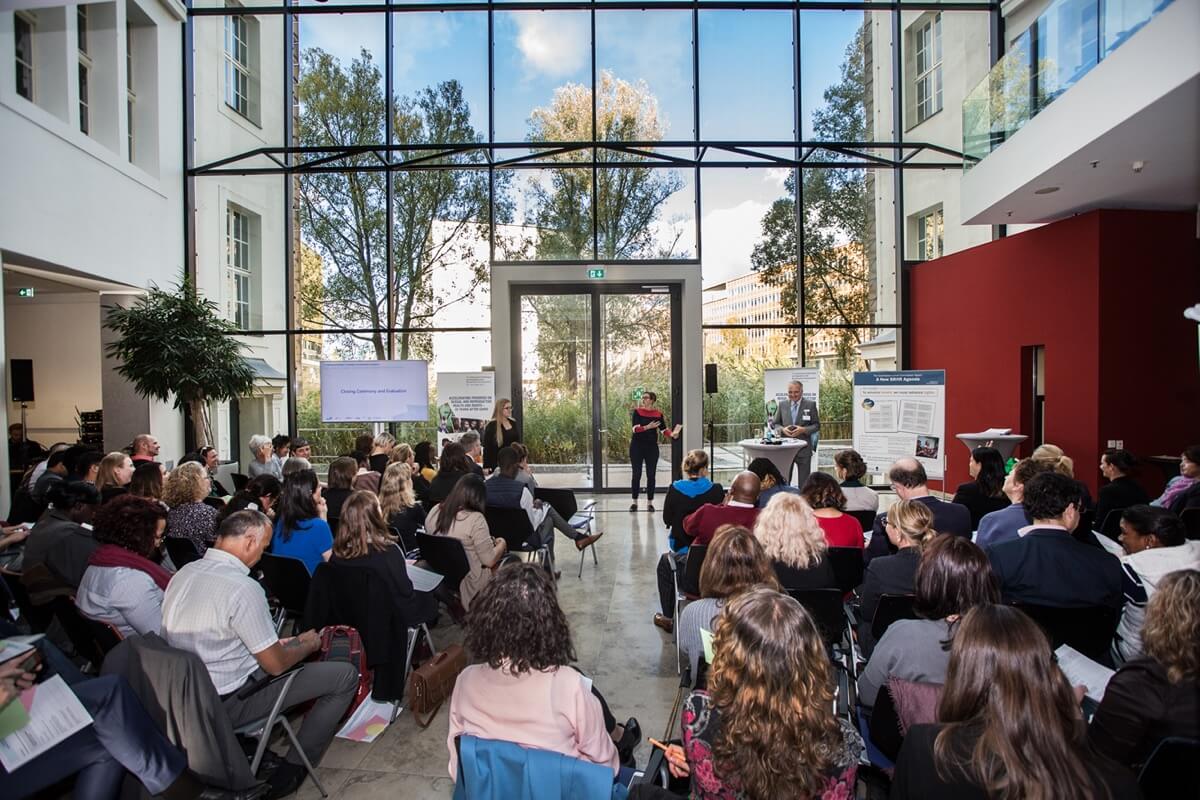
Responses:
[610,610]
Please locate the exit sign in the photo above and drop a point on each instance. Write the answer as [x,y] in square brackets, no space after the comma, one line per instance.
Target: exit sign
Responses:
[592,273]
[27,291]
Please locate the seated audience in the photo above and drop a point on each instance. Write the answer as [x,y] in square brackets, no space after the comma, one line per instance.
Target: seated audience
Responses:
[87,466]
[1156,544]
[124,582]
[190,517]
[211,459]
[850,469]
[1009,724]
[505,491]
[381,451]
[770,480]
[365,478]
[55,472]
[1046,566]
[147,480]
[363,443]
[404,515]
[214,609]
[62,539]
[908,527]
[524,689]
[460,516]
[363,540]
[984,493]
[1121,491]
[1183,491]
[116,471]
[1002,526]
[735,562]
[427,460]
[473,447]
[453,465]
[909,480]
[338,484]
[524,473]
[402,453]
[301,529]
[1058,461]
[795,544]
[687,494]
[766,721]
[823,494]
[302,449]
[1157,694]
[953,577]
[281,443]
[144,448]
[40,468]
[263,461]
[295,464]
[260,494]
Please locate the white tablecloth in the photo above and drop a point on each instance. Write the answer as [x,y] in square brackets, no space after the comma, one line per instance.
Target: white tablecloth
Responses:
[781,454]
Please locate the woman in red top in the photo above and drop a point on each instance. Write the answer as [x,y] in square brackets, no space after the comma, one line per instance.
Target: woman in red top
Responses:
[827,500]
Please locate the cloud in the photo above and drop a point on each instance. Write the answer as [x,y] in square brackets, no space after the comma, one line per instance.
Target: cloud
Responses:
[778,175]
[553,44]
[729,238]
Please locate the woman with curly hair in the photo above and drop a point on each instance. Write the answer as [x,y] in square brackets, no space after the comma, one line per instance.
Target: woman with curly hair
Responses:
[524,690]
[124,583]
[765,729]
[822,492]
[1158,694]
[1009,724]
[190,518]
[794,542]
[399,504]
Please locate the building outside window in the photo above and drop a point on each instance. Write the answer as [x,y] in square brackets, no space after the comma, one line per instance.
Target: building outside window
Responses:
[130,96]
[85,67]
[237,65]
[238,263]
[930,234]
[927,42]
[23,27]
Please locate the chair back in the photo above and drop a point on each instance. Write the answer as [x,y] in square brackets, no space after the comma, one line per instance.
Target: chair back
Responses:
[510,524]
[105,635]
[239,481]
[287,580]
[1170,771]
[847,564]
[1089,630]
[885,726]
[825,606]
[1191,521]
[446,556]
[78,631]
[181,551]
[865,518]
[38,617]
[691,570]
[498,770]
[561,500]
[891,607]
[1111,526]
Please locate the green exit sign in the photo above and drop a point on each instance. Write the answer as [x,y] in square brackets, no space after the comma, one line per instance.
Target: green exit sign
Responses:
[27,291]
[595,273]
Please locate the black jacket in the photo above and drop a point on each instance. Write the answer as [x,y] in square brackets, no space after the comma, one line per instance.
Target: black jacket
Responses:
[1048,567]
[971,496]
[440,486]
[887,575]
[1119,494]
[491,450]
[678,505]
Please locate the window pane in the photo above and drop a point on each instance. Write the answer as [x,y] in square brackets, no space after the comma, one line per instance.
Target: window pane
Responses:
[837,88]
[552,215]
[543,76]
[747,82]
[341,86]
[646,213]
[433,51]
[645,62]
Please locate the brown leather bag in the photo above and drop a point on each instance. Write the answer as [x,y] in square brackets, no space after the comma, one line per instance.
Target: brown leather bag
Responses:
[430,684]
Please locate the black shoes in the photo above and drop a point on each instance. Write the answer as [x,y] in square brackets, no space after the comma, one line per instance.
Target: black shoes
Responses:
[630,740]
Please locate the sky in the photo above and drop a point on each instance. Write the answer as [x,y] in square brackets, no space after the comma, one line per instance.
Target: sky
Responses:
[746,78]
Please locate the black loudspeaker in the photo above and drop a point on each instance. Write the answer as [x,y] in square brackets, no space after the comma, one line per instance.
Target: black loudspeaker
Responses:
[21,370]
[710,379]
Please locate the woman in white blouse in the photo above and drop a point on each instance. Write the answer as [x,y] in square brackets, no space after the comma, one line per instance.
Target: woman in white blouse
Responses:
[124,583]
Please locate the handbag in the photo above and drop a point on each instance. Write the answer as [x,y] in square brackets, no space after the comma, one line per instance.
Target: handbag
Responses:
[431,683]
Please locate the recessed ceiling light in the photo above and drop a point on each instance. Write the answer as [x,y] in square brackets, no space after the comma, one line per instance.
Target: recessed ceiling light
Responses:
[1046,190]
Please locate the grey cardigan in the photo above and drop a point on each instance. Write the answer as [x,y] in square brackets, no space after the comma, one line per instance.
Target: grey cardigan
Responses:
[911,649]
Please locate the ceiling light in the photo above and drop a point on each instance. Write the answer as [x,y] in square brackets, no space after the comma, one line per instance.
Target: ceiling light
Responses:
[1046,190]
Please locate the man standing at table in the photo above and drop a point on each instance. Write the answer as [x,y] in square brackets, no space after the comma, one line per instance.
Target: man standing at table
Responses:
[797,418]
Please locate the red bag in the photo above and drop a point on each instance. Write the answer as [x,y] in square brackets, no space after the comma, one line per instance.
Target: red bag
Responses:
[342,643]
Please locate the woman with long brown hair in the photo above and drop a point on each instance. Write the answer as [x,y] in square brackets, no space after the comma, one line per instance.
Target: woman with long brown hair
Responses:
[1010,726]
[765,729]
[403,512]
[461,517]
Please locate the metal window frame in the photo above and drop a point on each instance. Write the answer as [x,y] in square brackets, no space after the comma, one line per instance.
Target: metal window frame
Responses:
[30,66]
[130,94]
[237,70]
[235,218]
[931,77]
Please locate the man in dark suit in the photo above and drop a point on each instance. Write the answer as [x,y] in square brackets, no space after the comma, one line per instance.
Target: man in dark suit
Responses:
[798,418]
[1045,565]
[909,481]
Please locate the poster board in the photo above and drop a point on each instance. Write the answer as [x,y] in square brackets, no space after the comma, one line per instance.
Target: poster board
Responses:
[374,391]
[775,383]
[900,414]
[464,403]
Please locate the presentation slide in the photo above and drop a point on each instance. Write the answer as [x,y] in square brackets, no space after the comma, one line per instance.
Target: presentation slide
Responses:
[374,391]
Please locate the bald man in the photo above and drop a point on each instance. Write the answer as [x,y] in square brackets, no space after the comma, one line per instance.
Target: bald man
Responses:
[909,482]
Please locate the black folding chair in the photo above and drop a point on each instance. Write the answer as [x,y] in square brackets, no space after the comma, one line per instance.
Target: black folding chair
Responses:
[885,725]
[1111,527]
[287,580]
[513,526]
[78,631]
[865,518]
[1171,772]
[239,481]
[181,551]
[1089,630]
[828,612]
[563,501]
[689,583]
[847,564]
[445,555]
[892,607]
[1191,521]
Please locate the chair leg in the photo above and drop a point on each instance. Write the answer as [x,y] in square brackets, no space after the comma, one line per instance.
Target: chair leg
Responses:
[312,773]
[269,723]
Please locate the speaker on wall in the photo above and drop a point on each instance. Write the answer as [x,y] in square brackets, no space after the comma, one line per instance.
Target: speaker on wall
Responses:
[21,370]
[710,378]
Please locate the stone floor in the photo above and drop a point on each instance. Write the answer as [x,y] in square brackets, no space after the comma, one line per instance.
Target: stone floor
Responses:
[632,662]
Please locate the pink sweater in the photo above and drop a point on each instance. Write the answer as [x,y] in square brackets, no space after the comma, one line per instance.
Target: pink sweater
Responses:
[553,710]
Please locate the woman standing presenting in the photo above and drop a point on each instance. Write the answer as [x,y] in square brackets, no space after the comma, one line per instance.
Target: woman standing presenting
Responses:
[648,422]
[501,431]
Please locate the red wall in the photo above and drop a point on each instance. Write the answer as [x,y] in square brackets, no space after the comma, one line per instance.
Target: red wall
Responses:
[1104,293]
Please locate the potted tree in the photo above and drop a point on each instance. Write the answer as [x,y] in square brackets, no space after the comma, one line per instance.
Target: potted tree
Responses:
[175,343]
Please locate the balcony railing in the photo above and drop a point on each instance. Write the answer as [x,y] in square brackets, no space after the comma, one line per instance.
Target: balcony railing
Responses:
[1060,47]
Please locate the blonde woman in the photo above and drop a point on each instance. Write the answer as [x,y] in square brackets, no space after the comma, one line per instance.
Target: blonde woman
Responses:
[381,452]
[794,541]
[501,431]
[189,517]
[116,471]
[1054,457]
[402,454]
[399,504]
[909,526]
